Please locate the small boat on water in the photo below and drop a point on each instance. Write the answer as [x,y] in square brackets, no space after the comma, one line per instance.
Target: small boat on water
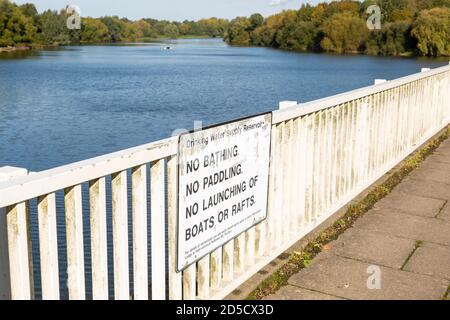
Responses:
[168,48]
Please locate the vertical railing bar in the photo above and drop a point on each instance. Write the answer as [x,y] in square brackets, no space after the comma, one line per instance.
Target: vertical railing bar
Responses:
[20,263]
[158,227]
[330,158]
[48,246]
[250,247]
[294,182]
[350,161]
[365,113]
[190,282]
[316,164]
[216,268]
[388,107]
[380,132]
[120,235]
[239,254]
[355,163]
[335,172]
[203,277]
[310,169]
[296,167]
[284,199]
[287,181]
[271,213]
[302,136]
[260,241]
[175,278]
[75,250]
[139,216]
[322,164]
[347,145]
[371,135]
[278,191]
[343,146]
[393,128]
[99,247]
[228,260]
[403,110]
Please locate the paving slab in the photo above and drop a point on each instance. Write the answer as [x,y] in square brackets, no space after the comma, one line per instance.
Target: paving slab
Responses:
[429,189]
[384,240]
[406,226]
[416,205]
[445,213]
[431,259]
[445,145]
[295,293]
[445,150]
[348,278]
[374,247]
[438,173]
[439,157]
[435,164]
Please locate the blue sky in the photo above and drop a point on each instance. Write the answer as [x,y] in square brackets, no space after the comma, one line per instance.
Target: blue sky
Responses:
[171,9]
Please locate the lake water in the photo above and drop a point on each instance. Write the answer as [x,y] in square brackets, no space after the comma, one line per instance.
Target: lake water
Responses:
[61,106]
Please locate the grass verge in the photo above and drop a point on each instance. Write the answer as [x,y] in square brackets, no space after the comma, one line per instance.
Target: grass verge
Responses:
[299,260]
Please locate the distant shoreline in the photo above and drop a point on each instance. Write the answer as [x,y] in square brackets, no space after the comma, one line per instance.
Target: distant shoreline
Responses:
[125,41]
[14,49]
[36,47]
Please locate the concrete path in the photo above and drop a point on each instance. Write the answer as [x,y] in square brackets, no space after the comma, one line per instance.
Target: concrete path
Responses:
[398,250]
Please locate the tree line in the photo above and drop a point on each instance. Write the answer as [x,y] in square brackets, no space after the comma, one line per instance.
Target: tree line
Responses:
[22,25]
[409,27]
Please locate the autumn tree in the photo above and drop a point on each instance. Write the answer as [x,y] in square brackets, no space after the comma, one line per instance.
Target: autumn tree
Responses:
[93,30]
[432,31]
[53,28]
[239,31]
[343,32]
[171,31]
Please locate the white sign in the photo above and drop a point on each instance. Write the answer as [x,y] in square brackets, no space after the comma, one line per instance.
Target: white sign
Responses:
[222,187]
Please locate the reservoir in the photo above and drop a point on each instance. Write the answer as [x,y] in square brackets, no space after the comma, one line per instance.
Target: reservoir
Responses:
[78,102]
[61,106]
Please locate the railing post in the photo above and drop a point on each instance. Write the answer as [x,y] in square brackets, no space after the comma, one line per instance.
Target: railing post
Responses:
[379,81]
[287,104]
[6,173]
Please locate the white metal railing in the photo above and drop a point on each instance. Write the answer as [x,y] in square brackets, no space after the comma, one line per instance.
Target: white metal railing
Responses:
[324,153]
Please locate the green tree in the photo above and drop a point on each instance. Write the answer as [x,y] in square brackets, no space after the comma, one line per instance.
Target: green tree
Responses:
[256,21]
[115,28]
[53,28]
[145,29]
[432,31]
[171,31]
[93,30]
[238,31]
[303,37]
[344,32]
[20,27]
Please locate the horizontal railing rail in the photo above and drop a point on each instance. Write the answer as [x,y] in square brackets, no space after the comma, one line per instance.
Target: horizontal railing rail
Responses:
[327,102]
[31,186]
[324,153]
